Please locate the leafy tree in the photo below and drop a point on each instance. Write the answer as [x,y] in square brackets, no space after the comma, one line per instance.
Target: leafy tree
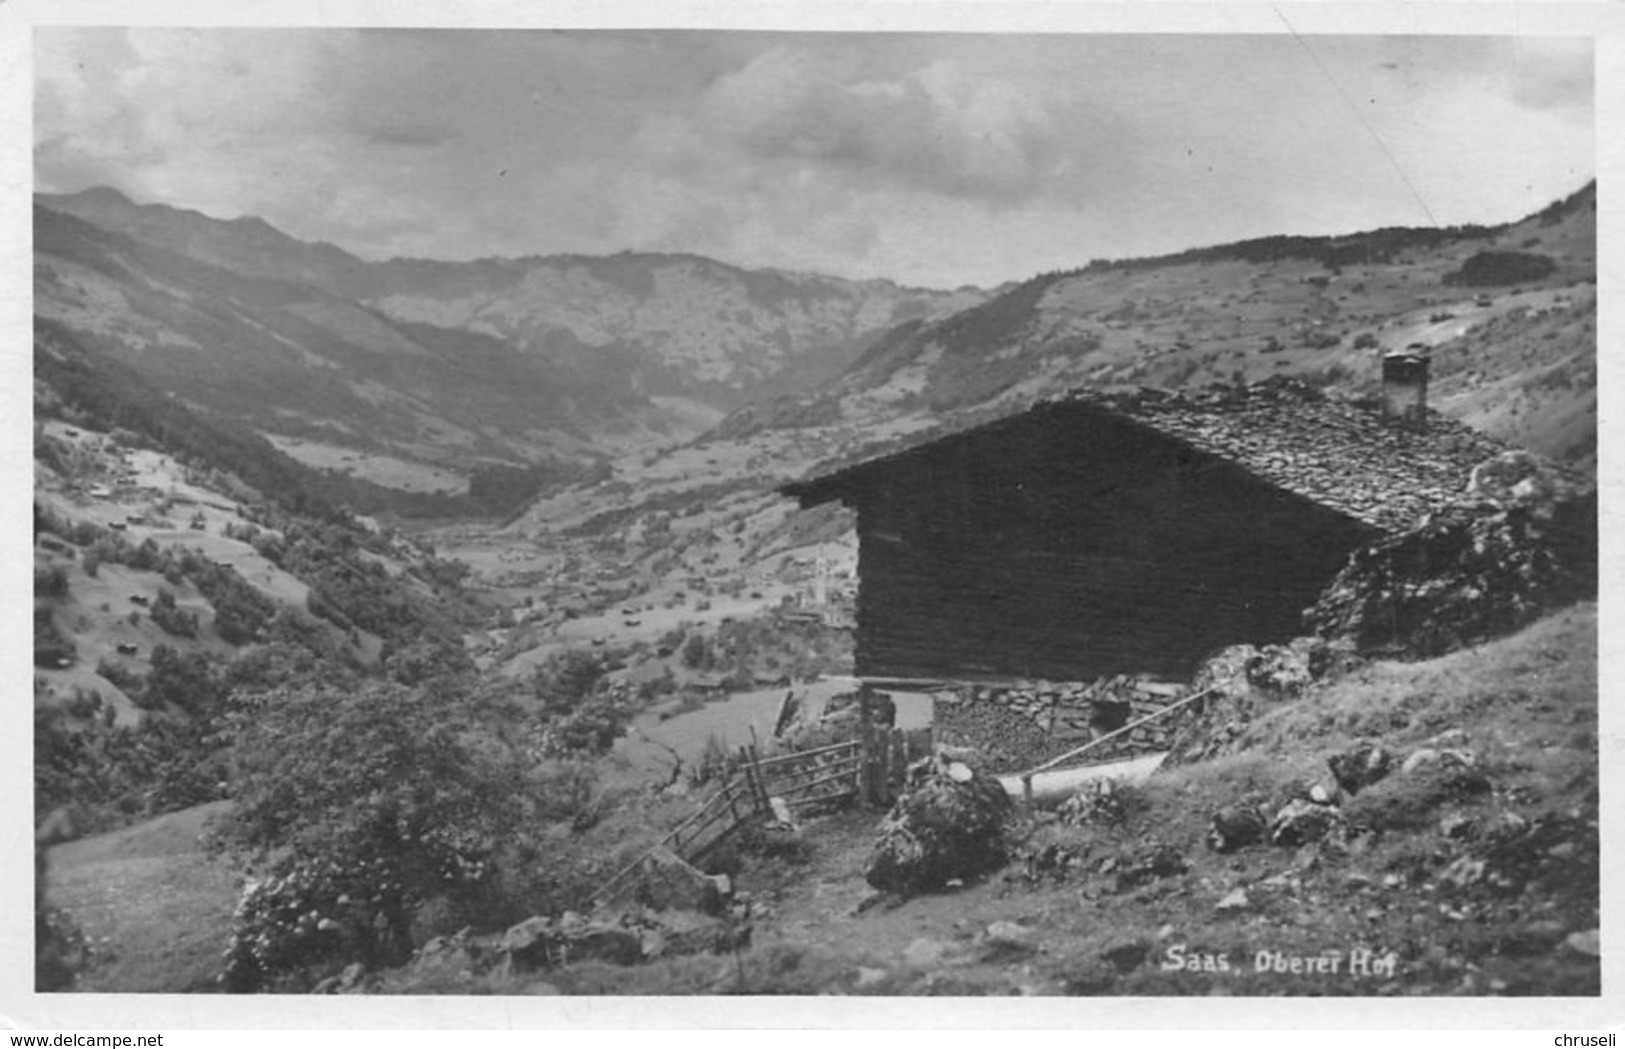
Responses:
[566,679]
[697,653]
[50,581]
[171,619]
[365,803]
[424,661]
[188,682]
[1501,267]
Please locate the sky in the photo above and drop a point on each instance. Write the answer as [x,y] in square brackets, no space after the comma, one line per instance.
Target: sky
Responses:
[932,159]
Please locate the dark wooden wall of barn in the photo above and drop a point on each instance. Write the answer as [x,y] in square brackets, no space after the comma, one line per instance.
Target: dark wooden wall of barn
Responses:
[1071,544]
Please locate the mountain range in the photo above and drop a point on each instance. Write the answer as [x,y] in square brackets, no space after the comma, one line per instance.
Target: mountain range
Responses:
[416,373]
[517,360]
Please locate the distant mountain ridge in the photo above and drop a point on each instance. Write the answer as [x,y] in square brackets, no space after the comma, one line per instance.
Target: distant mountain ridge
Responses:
[1509,313]
[514,359]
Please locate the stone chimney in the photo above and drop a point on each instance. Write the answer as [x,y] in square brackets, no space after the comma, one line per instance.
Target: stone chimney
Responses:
[1405,387]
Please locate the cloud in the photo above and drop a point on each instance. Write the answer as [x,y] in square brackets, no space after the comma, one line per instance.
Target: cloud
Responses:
[1553,73]
[411,134]
[938,158]
[933,128]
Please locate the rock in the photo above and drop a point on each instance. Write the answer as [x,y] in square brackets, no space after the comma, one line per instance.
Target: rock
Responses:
[1285,671]
[1361,766]
[1449,738]
[541,942]
[446,964]
[1236,901]
[1300,822]
[1507,825]
[869,977]
[1237,826]
[924,953]
[1518,478]
[347,980]
[1098,804]
[1241,680]
[1536,937]
[1149,864]
[1128,956]
[1424,759]
[527,942]
[654,944]
[604,943]
[1588,942]
[1421,758]
[941,829]
[1463,872]
[671,883]
[1458,827]
[1006,940]
[687,932]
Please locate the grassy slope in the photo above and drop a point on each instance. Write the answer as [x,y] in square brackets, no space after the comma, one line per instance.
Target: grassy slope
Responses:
[1528,707]
[155,908]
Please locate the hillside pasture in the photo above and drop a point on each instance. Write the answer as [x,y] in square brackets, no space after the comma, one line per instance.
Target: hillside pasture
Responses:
[386,470]
[155,907]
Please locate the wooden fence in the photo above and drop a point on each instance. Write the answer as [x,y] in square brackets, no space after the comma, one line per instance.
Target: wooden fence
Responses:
[1071,756]
[800,780]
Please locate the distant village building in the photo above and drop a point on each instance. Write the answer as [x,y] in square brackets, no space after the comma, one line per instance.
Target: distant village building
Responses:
[1133,533]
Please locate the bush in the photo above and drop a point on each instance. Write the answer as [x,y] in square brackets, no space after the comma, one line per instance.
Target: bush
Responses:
[171,619]
[1501,267]
[366,804]
[697,653]
[50,581]
[51,648]
[188,683]
[127,680]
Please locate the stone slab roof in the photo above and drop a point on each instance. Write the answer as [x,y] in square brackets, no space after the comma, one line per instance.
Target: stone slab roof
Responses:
[1340,453]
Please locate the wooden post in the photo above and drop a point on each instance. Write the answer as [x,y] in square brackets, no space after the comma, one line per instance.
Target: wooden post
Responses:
[758,788]
[866,743]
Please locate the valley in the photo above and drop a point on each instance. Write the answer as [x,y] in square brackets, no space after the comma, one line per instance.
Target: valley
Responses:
[532,505]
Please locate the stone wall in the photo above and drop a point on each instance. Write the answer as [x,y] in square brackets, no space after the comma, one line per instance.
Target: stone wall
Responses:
[1013,728]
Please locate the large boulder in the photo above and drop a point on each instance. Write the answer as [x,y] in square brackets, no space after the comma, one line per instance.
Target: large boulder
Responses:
[1237,826]
[1360,766]
[668,882]
[1241,681]
[1301,822]
[949,825]
[543,942]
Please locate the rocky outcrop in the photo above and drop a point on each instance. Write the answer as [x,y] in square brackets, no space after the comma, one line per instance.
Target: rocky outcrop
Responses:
[949,825]
[1360,766]
[1522,542]
[1236,827]
[1242,681]
[514,960]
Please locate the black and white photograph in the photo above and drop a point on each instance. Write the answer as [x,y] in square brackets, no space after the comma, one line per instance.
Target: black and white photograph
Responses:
[861,503]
